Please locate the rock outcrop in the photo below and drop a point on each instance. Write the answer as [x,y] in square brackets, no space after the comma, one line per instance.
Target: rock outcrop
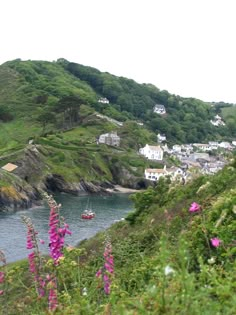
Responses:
[23,187]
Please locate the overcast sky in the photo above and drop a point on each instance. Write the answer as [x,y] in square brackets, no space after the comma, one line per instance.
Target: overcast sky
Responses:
[187,47]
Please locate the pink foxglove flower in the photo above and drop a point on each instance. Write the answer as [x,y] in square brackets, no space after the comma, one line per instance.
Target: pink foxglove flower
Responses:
[195,207]
[34,257]
[2,277]
[52,298]
[56,232]
[215,242]
[108,268]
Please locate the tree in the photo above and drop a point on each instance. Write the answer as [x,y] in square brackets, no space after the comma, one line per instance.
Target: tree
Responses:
[69,106]
[45,118]
[5,114]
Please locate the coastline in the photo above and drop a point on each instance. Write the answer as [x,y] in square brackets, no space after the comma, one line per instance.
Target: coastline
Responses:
[123,190]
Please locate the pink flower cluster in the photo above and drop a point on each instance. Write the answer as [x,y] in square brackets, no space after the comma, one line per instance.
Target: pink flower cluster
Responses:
[195,207]
[2,274]
[34,256]
[56,234]
[215,242]
[108,268]
[52,297]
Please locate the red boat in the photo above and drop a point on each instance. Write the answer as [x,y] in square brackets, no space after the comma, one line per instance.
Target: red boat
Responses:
[88,215]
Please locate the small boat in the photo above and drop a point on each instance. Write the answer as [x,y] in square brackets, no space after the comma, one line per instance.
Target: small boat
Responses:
[88,214]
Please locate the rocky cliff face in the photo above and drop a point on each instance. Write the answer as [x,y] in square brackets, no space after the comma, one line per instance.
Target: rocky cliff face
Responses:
[22,188]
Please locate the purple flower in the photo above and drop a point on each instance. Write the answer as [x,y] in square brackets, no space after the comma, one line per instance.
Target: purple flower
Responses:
[2,276]
[195,207]
[108,268]
[215,242]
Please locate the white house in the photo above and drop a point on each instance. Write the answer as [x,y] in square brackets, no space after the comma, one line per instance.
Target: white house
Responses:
[161,138]
[154,173]
[159,109]
[217,121]
[152,152]
[103,100]
[110,138]
[213,145]
[202,146]
[225,145]
[177,148]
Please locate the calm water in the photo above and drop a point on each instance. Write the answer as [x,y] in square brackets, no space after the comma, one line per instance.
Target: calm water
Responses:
[108,210]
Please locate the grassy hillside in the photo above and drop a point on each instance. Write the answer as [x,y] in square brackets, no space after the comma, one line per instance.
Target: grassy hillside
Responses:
[37,95]
[165,259]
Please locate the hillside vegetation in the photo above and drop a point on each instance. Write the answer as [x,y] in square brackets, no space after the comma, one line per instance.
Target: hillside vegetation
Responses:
[47,96]
[175,254]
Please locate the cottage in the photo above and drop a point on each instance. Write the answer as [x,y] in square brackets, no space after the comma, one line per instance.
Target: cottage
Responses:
[213,145]
[110,138]
[154,173]
[202,146]
[225,145]
[103,100]
[217,121]
[152,152]
[159,109]
[176,148]
[161,138]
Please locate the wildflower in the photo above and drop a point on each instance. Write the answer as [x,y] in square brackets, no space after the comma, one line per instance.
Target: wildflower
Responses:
[84,291]
[99,272]
[41,241]
[211,261]
[2,277]
[34,257]
[56,232]
[1,292]
[108,268]
[195,207]
[168,270]
[52,298]
[215,242]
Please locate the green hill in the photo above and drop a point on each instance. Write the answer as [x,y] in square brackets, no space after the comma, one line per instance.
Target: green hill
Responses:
[34,93]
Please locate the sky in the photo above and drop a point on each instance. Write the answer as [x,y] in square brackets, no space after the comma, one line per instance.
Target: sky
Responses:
[186,47]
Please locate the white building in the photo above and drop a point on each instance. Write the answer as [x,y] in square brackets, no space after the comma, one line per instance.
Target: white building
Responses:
[217,121]
[177,148]
[202,146]
[225,145]
[154,173]
[159,109]
[110,138]
[103,100]
[152,152]
[161,138]
[213,145]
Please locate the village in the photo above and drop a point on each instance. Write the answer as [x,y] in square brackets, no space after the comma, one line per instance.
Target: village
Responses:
[189,159]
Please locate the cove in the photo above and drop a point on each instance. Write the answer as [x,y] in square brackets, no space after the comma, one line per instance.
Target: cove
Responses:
[108,210]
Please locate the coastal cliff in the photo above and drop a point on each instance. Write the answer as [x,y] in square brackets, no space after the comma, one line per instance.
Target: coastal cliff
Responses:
[33,175]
